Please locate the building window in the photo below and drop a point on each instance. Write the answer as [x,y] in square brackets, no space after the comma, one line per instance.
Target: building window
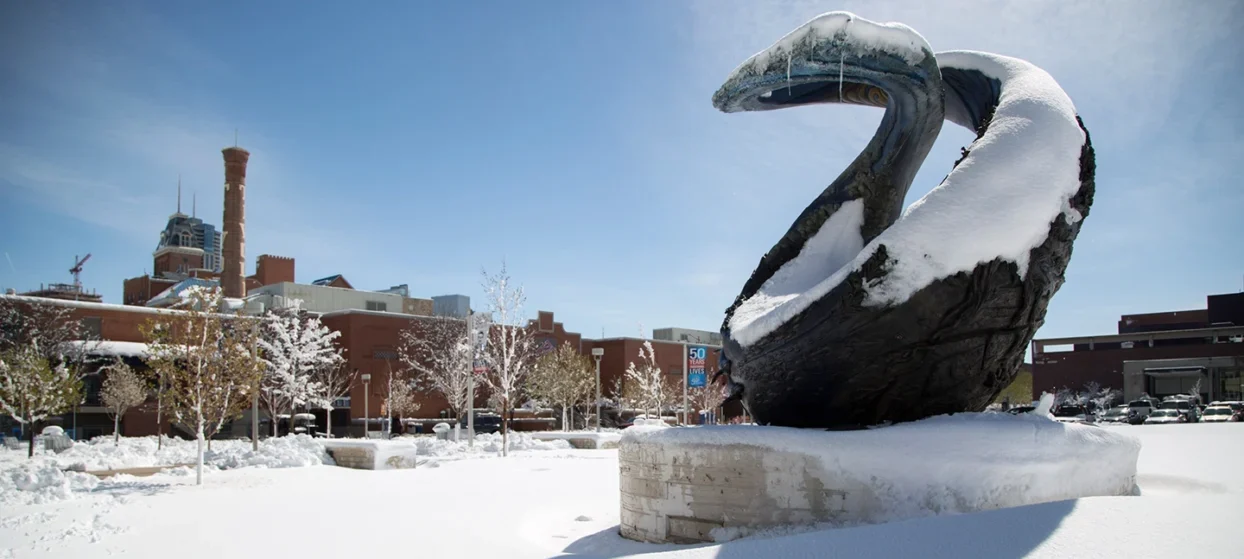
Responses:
[92,328]
[376,306]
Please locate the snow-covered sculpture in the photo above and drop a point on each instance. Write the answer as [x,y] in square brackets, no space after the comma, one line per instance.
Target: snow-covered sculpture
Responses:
[864,313]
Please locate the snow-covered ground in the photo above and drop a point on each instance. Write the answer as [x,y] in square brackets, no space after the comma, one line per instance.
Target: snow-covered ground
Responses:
[544,504]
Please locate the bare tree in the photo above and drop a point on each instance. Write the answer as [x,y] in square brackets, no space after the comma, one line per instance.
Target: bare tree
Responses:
[510,345]
[208,363]
[123,389]
[401,398]
[32,388]
[331,383]
[51,328]
[708,397]
[437,353]
[563,378]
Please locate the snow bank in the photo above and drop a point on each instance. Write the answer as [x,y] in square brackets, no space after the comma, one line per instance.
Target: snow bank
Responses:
[38,481]
[945,464]
[135,452]
[603,439]
[406,452]
[999,202]
[49,477]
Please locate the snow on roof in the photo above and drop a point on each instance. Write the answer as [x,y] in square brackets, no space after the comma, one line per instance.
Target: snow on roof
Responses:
[89,306]
[999,202]
[110,348]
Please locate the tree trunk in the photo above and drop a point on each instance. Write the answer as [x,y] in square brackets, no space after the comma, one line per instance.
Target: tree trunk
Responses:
[116,430]
[159,428]
[505,428]
[328,423]
[198,472]
[30,452]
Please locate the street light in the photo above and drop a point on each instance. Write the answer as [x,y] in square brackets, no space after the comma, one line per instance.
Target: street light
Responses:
[366,410]
[597,353]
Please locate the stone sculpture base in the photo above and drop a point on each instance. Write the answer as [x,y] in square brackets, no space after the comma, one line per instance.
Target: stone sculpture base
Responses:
[678,485]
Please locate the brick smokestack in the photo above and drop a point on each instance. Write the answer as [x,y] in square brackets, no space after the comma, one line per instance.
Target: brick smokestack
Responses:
[233,279]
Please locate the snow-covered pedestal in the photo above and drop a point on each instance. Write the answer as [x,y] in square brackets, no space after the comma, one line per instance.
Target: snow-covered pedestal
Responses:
[685,485]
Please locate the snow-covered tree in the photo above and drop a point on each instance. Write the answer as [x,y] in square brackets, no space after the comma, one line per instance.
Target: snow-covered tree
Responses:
[708,397]
[208,362]
[563,378]
[50,328]
[1196,389]
[1101,397]
[123,389]
[646,381]
[32,388]
[294,347]
[330,384]
[510,345]
[437,353]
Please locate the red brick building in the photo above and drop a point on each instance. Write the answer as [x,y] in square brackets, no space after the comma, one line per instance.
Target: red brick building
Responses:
[1215,331]
[370,340]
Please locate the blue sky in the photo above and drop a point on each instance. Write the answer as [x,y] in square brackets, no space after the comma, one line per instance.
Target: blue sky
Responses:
[416,142]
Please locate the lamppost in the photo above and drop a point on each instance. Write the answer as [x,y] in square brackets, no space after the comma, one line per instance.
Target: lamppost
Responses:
[366,410]
[597,353]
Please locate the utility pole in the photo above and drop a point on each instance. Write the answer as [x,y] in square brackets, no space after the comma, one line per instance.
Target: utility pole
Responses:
[470,321]
[366,408]
[684,384]
[597,353]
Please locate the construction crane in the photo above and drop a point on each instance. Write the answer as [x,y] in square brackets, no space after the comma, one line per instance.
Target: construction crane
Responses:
[77,269]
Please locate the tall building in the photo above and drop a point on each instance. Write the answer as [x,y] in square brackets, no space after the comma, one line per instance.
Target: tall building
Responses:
[233,275]
[457,306]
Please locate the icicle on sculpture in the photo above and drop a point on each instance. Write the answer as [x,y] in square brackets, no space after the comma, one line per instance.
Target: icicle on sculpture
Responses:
[864,313]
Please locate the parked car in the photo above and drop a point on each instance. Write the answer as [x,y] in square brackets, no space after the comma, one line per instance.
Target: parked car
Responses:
[1235,405]
[1120,414]
[1021,409]
[1220,414]
[1187,408]
[1165,415]
[1073,414]
[484,423]
[1143,407]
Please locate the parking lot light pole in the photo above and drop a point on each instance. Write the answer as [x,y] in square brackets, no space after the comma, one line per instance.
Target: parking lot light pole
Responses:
[366,411]
[597,353]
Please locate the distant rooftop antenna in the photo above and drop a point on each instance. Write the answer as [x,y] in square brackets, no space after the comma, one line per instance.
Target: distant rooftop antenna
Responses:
[194,203]
[235,137]
[178,192]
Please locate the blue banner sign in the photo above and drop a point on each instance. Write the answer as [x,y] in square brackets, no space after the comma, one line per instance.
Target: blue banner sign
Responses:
[696,359]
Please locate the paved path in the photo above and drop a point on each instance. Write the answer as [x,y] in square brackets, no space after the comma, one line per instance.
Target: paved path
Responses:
[137,472]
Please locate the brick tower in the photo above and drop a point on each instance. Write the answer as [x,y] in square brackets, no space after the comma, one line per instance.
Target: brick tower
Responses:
[232,279]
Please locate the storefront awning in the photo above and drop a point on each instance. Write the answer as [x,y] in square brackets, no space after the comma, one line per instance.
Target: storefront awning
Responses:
[1175,371]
